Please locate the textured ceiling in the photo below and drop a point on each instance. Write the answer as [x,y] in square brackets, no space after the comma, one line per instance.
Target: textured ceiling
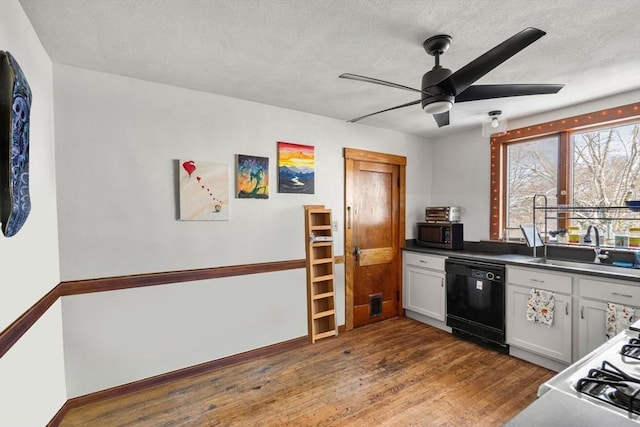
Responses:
[289,53]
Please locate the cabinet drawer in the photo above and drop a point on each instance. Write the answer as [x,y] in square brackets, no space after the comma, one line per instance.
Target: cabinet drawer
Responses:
[532,278]
[610,292]
[426,261]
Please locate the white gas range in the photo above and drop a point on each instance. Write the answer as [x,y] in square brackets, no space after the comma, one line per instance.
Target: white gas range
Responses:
[608,377]
[601,389]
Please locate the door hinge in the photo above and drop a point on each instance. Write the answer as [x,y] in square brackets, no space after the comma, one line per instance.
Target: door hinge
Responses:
[397,295]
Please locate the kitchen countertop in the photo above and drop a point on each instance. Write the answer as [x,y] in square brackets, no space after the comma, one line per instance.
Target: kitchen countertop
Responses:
[480,253]
[555,408]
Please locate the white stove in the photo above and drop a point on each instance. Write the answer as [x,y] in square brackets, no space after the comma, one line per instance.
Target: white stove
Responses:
[606,377]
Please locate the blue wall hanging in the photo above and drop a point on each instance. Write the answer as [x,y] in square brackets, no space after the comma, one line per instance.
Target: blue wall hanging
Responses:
[15,106]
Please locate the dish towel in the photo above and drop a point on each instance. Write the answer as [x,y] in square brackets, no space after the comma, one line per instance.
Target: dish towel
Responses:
[619,317]
[540,306]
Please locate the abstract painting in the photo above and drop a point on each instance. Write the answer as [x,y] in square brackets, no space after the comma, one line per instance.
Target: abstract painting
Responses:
[296,166]
[204,191]
[252,177]
[15,108]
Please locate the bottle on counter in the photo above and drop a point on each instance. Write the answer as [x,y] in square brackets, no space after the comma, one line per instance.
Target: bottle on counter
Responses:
[634,237]
[621,240]
[562,238]
[574,234]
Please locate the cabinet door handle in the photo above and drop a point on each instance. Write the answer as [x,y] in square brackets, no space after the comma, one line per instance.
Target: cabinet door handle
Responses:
[537,280]
[442,282]
[582,312]
[618,294]
[423,261]
[566,309]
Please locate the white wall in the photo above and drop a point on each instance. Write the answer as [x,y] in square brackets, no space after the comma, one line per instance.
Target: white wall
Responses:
[116,337]
[117,142]
[32,384]
[461,172]
[461,178]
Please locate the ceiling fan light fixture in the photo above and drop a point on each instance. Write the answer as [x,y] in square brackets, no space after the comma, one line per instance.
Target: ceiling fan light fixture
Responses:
[494,125]
[437,104]
[438,107]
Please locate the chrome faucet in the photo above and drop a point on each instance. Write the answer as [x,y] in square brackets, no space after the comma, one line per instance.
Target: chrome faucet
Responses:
[600,254]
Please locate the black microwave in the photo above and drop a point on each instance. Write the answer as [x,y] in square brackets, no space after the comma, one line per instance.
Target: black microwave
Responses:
[442,235]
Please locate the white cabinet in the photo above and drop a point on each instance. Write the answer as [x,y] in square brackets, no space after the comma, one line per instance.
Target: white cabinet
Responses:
[424,289]
[591,325]
[595,293]
[549,341]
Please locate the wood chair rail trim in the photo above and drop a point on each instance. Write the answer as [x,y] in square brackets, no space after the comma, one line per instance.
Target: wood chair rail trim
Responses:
[12,333]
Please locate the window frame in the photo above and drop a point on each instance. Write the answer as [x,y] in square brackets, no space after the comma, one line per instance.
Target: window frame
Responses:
[564,129]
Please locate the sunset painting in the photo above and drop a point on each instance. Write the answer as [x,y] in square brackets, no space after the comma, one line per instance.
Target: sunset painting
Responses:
[296,165]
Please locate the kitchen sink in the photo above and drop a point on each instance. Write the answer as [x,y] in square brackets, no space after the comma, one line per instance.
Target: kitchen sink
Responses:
[587,266]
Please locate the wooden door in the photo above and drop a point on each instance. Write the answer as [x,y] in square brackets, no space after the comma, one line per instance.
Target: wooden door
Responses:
[374,236]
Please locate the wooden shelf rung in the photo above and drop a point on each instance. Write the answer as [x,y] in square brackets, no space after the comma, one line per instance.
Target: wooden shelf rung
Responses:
[322,261]
[323,295]
[322,278]
[324,314]
[325,334]
[321,227]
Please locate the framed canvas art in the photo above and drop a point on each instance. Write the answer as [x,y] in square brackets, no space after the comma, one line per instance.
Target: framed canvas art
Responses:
[15,108]
[204,191]
[252,177]
[296,168]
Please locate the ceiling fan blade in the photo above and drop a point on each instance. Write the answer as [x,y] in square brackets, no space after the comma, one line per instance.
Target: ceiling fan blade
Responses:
[388,109]
[463,78]
[376,81]
[442,119]
[477,92]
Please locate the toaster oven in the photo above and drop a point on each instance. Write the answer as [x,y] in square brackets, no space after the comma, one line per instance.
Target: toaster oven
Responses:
[442,214]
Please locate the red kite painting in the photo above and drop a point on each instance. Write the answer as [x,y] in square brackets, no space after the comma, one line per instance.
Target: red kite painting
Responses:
[204,191]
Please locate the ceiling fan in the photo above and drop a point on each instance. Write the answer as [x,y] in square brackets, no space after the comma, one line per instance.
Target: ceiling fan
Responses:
[441,87]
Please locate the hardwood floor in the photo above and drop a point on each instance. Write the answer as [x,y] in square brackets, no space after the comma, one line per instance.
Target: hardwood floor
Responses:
[398,372]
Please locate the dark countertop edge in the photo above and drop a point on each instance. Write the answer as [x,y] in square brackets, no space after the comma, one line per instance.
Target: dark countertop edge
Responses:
[521,261]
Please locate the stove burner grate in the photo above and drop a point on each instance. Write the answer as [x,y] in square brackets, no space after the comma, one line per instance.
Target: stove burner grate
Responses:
[613,386]
[632,349]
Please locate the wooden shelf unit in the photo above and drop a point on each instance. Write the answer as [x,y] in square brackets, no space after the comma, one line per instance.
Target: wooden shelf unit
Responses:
[320,266]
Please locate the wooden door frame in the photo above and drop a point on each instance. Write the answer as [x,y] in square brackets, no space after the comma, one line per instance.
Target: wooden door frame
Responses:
[351,155]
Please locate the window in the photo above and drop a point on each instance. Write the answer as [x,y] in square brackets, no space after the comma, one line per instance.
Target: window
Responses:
[589,160]
[532,168]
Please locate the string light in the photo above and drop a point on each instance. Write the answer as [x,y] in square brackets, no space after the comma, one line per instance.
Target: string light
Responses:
[565,124]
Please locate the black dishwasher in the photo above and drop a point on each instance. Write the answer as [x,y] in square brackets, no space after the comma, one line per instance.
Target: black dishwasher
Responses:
[476,300]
